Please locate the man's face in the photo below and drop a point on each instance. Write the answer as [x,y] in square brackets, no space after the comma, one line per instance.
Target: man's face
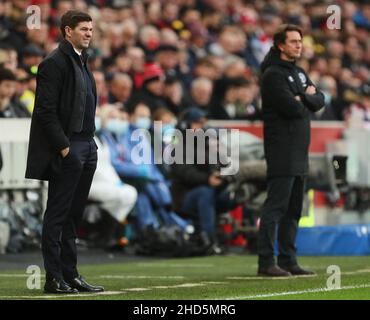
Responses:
[202,94]
[199,124]
[81,35]
[292,48]
[7,89]
[156,87]
[121,89]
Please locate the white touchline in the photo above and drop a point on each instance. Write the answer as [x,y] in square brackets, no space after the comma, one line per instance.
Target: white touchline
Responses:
[287,293]
[174,265]
[139,277]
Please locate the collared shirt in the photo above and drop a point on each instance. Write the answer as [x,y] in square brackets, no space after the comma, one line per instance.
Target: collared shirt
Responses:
[79,53]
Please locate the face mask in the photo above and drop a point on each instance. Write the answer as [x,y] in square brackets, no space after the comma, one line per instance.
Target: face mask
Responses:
[117,126]
[97,123]
[168,129]
[143,123]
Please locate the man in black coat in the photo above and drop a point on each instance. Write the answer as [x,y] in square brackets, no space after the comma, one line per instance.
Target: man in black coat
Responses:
[62,149]
[288,97]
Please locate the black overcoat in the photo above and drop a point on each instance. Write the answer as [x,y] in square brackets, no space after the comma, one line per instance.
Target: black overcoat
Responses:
[59,110]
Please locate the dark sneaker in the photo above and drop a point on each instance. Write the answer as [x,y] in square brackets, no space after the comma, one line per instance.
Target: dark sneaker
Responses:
[273,271]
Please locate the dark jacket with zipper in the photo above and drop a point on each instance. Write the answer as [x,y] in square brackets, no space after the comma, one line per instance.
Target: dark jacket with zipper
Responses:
[187,176]
[59,111]
[286,120]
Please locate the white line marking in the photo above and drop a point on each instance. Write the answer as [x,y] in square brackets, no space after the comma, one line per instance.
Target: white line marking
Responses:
[16,275]
[175,265]
[271,278]
[279,294]
[139,277]
[136,289]
[182,285]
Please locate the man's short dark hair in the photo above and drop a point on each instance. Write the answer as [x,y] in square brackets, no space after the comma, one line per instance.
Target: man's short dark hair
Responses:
[72,18]
[280,35]
[7,74]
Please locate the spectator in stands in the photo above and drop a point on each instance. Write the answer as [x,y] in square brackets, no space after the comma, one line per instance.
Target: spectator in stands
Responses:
[205,68]
[168,58]
[27,96]
[8,57]
[149,39]
[201,93]
[151,92]
[101,88]
[234,103]
[197,188]
[137,57]
[114,196]
[154,204]
[120,89]
[165,136]
[358,114]
[32,55]
[10,106]
[176,99]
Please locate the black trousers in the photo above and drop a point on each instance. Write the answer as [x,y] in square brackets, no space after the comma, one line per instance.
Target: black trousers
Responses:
[280,214]
[67,196]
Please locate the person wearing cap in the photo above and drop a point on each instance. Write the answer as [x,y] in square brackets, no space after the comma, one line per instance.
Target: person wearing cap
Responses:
[62,150]
[32,55]
[196,187]
[151,92]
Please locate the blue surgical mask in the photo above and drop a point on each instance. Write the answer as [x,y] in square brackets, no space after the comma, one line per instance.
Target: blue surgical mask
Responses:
[143,123]
[168,132]
[117,126]
[168,128]
[97,123]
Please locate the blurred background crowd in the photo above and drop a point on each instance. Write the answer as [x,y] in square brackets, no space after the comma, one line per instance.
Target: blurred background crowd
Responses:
[203,53]
[155,59]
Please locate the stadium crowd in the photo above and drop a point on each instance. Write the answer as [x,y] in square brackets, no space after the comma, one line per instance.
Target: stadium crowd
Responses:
[153,60]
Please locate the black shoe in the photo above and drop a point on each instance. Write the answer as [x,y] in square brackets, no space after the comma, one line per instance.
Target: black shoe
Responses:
[296,270]
[81,285]
[58,286]
[273,271]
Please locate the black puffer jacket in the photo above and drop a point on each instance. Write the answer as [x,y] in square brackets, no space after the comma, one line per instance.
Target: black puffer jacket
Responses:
[286,120]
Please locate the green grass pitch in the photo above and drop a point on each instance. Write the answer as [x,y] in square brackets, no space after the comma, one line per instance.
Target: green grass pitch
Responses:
[215,277]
